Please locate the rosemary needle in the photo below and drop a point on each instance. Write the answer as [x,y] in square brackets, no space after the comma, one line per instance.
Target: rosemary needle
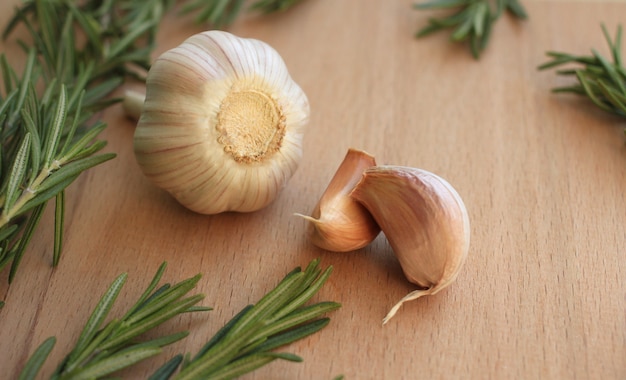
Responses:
[600,80]
[222,13]
[472,20]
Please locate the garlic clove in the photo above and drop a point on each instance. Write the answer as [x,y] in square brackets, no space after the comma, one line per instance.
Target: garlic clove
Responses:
[339,223]
[222,123]
[424,220]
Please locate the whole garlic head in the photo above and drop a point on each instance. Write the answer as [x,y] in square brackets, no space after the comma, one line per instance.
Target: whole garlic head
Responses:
[222,123]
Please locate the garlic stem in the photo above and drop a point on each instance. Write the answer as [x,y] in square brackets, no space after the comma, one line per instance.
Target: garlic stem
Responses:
[133,103]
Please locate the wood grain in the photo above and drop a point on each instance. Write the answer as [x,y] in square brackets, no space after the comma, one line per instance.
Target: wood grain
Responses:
[543,292]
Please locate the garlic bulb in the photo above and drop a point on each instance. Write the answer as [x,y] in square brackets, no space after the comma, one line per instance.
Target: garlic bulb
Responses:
[222,123]
[338,222]
[424,220]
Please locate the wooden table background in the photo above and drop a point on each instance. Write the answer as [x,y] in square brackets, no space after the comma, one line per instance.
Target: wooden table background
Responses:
[542,294]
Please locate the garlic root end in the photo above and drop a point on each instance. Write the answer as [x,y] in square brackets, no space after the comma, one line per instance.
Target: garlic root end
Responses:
[306,217]
[409,297]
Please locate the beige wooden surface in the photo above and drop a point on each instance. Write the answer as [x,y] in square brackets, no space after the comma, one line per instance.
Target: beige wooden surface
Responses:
[542,294]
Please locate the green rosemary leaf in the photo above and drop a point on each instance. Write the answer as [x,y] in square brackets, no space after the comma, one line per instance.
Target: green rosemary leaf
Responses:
[35,145]
[9,77]
[7,231]
[164,340]
[90,150]
[515,7]
[267,305]
[18,251]
[96,96]
[91,351]
[437,4]
[34,363]
[576,89]
[218,13]
[48,26]
[168,369]
[153,284]
[72,169]
[304,295]
[43,196]
[610,70]
[603,82]
[98,315]
[300,316]
[293,335]
[7,102]
[54,133]
[18,172]
[59,218]
[89,25]
[163,299]
[242,366]
[71,131]
[121,360]
[218,356]
[471,20]
[462,32]
[18,16]
[269,6]
[25,83]
[157,293]
[74,150]
[134,330]
[616,98]
[129,39]
[64,66]
[221,333]
[615,47]
[478,21]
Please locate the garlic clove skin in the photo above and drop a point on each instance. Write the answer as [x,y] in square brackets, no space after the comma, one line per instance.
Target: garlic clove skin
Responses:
[425,222]
[222,123]
[339,223]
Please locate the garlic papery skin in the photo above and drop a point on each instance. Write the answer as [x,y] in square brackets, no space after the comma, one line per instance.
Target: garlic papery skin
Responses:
[222,123]
[338,223]
[425,222]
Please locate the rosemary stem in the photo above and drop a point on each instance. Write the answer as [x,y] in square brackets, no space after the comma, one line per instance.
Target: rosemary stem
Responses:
[28,194]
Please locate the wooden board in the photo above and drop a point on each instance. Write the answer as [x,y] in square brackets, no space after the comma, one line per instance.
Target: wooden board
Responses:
[543,291]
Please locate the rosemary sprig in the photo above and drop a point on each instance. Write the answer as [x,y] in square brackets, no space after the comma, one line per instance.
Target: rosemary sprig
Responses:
[472,20]
[244,344]
[221,13]
[248,340]
[270,6]
[48,138]
[602,81]
[46,144]
[100,351]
